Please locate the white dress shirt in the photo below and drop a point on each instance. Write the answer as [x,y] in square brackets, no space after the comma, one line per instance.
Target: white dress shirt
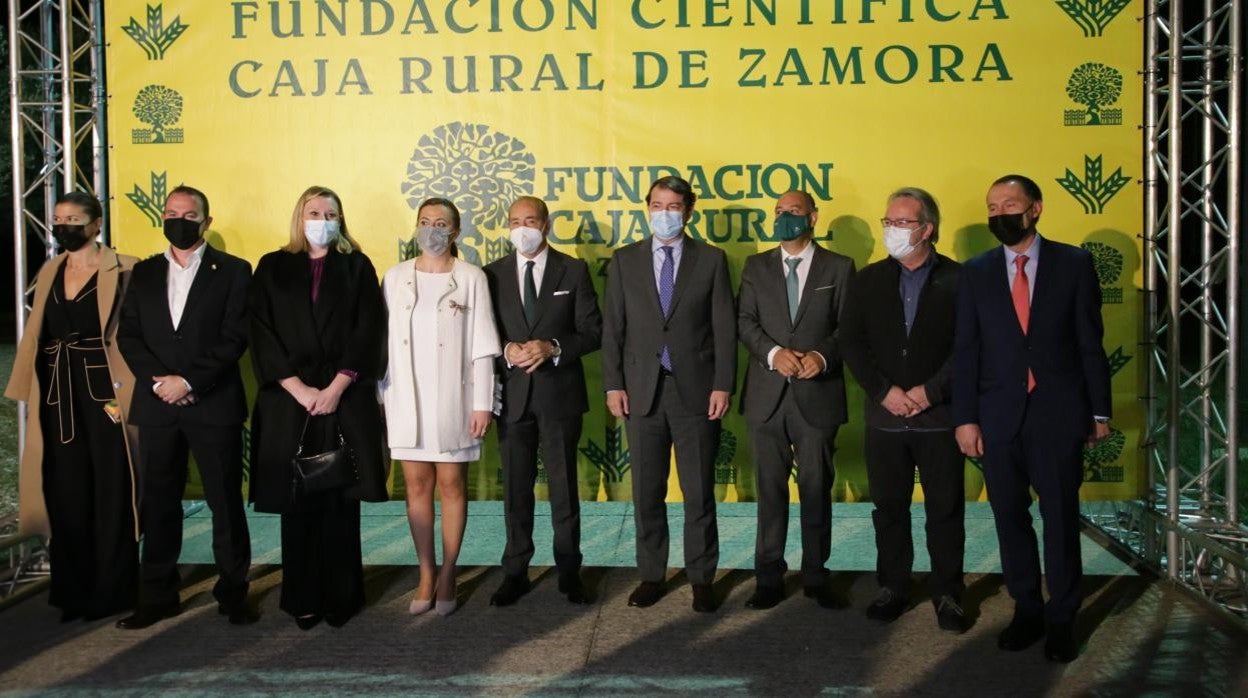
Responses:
[539,271]
[179,281]
[803,271]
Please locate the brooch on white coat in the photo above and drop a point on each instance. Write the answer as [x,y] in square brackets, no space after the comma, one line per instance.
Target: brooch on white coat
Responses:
[458,307]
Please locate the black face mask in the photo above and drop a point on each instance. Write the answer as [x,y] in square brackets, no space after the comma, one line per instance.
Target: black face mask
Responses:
[69,237]
[1008,228]
[181,232]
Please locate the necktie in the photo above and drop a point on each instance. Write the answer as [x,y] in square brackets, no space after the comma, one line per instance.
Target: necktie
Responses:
[790,281]
[1022,305]
[530,294]
[667,284]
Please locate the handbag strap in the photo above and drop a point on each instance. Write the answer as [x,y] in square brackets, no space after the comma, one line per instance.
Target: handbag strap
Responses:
[342,441]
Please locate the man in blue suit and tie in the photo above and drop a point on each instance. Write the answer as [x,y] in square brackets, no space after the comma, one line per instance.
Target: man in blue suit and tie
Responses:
[1030,388]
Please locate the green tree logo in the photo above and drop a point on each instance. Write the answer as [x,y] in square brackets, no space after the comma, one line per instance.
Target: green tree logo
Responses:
[1100,460]
[155,38]
[1094,85]
[151,203]
[1118,360]
[725,473]
[1092,16]
[1093,191]
[1107,261]
[613,459]
[159,107]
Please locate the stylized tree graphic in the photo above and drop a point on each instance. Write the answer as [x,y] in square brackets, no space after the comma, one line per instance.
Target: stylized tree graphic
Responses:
[1107,261]
[497,249]
[1102,454]
[158,106]
[1093,192]
[1118,360]
[152,203]
[724,472]
[1092,16]
[1094,85]
[155,38]
[479,169]
[613,461]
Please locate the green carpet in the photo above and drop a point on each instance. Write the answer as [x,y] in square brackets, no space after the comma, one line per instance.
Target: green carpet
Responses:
[607,536]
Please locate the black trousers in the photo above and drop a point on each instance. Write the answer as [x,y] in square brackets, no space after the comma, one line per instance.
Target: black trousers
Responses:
[891,459]
[322,562]
[1052,464]
[650,441]
[86,487]
[163,461]
[519,443]
[785,437]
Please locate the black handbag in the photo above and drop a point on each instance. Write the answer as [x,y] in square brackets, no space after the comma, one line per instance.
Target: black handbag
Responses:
[322,472]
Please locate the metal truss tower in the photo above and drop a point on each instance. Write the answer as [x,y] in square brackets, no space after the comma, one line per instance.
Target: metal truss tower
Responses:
[1188,524]
[57,100]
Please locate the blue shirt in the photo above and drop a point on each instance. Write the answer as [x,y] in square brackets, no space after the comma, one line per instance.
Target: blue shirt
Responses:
[1033,258]
[656,248]
[911,286]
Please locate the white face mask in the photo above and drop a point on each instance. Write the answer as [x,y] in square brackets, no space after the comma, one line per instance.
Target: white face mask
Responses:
[666,225]
[433,241]
[319,232]
[897,242]
[527,240]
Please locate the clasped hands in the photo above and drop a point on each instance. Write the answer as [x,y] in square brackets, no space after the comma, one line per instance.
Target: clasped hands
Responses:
[906,403]
[317,401]
[531,354]
[173,390]
[801,365]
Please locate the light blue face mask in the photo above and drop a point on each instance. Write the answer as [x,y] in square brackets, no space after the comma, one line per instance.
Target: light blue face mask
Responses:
[433,241]
[666,225]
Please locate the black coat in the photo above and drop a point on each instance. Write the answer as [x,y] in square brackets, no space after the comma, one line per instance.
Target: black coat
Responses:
[881,354]
[290,336]
[567,311]
[204,348]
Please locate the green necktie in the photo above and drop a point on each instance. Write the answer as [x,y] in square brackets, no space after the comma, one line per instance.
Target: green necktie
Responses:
[790,280]
[530,294]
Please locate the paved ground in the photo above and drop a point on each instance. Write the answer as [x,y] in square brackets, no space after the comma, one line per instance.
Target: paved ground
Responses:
[1141,638]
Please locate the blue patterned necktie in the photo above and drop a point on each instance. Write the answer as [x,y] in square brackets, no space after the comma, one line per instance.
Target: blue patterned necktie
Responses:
[790,280]
[667,284]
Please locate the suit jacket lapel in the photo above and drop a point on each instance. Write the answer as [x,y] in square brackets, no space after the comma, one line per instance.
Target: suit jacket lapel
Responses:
[646,255]
[106,285]
[813,281]
[510,302]
[329,295]
[204,277]
[688,259]
[999,288]
[1046,272]
[550,281]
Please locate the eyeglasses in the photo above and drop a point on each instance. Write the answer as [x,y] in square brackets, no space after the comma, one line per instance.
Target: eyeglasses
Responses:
[899,222]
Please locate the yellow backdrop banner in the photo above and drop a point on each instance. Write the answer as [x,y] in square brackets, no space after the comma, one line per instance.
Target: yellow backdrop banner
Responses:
[584,102]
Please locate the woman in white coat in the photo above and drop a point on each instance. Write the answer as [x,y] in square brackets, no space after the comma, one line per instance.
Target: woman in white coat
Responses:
[439,389]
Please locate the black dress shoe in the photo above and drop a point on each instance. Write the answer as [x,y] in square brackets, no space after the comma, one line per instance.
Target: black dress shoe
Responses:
[704,598]
[949,614]
[887,606]
[238,614]
[1060,645]
[307,622]
[825,597]
[146,616]
[765,597]
[1022,632]
[510,591]
[570,585]
[646,594]
[337,620]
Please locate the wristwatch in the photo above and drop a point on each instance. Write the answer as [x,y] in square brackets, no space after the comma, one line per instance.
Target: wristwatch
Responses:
[1101,420]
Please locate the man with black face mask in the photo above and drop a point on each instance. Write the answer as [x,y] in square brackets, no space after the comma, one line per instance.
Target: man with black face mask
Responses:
[1030,388]
[183,329]
[794,395]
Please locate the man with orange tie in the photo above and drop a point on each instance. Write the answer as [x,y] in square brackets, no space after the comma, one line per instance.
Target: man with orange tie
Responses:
[1030,388]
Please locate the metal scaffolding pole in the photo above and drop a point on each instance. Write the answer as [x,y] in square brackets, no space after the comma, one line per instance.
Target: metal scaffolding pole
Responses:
[1187,524]
[56,93]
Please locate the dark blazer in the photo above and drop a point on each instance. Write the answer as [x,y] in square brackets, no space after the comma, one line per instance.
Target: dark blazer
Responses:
[881,354]
[567,311]
[291,336]
[764,322]
[204,349]
[700,330]
[1062,348]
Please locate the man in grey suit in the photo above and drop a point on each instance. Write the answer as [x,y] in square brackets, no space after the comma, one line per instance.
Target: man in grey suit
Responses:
[669,369]
[794,394]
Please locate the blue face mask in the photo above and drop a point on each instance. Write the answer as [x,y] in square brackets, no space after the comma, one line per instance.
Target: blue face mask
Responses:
[790,226]
[666,225]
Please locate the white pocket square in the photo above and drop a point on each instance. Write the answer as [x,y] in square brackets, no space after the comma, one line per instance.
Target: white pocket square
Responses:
[824,288]
[561,293]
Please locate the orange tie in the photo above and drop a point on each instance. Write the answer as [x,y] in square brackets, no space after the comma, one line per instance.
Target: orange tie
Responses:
[1022,305]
